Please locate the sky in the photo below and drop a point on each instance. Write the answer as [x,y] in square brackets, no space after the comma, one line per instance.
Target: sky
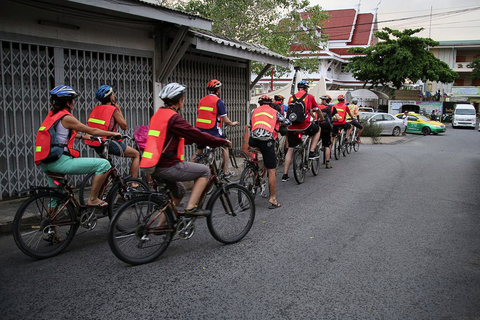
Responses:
[443,20]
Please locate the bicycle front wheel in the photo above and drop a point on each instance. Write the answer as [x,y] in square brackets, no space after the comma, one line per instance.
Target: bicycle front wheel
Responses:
[120,193]
[238,158]
[356,146]
[298,165]
[141,230]
[44,225]
[233,213]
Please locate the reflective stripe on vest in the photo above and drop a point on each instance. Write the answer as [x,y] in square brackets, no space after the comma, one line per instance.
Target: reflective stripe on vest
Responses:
[207,112]
[156,139]
[264,117]
[100,118]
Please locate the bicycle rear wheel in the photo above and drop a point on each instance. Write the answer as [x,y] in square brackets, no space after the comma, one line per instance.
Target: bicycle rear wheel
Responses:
[348,146]
[298,165]
[141,230]
[44,225]
[247,179]
[316,162]
[233,213]
[336,148]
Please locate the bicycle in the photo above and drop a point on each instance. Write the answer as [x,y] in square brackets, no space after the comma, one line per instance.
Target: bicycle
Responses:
[301,161]
[253,176]
[143,227]
[338,144]
[115,187]
[353,142]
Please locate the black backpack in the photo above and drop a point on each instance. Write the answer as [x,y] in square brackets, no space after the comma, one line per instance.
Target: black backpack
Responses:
[296,110]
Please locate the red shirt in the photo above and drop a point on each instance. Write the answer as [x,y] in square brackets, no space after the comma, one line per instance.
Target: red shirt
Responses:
[310,104]
[342,110]
[179,127]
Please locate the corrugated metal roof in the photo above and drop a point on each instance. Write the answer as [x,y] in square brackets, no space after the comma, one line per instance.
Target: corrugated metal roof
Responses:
[156,4]
[256,48]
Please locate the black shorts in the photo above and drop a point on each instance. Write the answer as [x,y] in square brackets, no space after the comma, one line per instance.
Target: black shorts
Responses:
[294,140]
[338,127]
[357,124]
[326,137]
[268,151]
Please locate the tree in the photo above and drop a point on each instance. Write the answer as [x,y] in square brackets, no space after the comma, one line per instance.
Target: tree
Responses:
[476,68]
[393,61]
[259,22]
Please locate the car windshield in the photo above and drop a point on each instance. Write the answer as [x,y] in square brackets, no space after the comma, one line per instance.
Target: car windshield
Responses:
[463,112]
[423,118]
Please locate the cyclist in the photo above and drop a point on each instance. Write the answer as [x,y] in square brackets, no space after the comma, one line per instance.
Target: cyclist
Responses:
[106,116]
[310,128]
[341,121]
[54,144]
[330,113]
[163,155]
[355,121]
[264,124]
[279,105]
[211,114]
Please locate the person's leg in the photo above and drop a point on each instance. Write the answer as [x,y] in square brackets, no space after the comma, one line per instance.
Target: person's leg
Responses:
[272,186]
[292,143]
[226,160]
[187,171]
[75,166]
[315,139]
[288,161]
[135,155]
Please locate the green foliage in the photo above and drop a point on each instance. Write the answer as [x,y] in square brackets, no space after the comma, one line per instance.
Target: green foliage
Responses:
[394,60]
[275,24]
[476,68]
[371,129]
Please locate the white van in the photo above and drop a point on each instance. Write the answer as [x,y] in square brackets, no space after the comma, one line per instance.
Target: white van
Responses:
[464,115]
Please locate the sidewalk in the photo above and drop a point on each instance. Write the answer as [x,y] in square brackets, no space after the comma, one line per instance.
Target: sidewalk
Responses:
[9,208]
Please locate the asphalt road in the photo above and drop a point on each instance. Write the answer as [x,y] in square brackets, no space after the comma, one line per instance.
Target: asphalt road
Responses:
[391,232]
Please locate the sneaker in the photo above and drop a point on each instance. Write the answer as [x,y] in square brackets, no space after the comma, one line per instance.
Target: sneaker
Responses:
[312,155]
[357,140]
[228,174]
[195,211]
[328,165]
[285,178]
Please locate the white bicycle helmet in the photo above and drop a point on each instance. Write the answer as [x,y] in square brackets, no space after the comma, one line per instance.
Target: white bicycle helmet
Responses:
[171,91]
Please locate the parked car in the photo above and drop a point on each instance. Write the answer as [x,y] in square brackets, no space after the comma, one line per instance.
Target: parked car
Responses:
[366,109]
[418,123]
[389,124]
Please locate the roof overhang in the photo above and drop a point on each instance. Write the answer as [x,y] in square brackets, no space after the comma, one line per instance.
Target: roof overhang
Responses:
[146,10]
[232,48]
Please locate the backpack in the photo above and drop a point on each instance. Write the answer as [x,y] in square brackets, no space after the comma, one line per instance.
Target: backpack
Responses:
[296,110]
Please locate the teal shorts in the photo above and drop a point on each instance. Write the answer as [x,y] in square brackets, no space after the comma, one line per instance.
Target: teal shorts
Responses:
[75,166]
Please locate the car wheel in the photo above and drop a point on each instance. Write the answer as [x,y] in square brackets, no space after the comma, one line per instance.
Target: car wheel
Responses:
[426,131]
[435,133]
[396,131]
[453,127]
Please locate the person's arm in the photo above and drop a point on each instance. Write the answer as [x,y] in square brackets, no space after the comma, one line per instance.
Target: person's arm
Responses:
[315,108]
[282,119]
[119,119]
[222,113]
[348,111]
[69,122]
[180,127]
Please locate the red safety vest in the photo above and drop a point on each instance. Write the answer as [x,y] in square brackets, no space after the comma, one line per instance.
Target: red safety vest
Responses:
[157,134]
[207,112]
[342,112]
[100,118]
[43,142]
[265,117]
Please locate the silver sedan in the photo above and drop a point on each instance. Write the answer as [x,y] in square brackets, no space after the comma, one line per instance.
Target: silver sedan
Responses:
[390,124]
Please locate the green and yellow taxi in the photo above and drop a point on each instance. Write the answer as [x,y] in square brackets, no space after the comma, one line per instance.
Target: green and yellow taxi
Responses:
[418,123]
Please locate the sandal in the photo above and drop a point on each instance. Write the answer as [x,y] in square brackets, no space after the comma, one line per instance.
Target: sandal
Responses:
[274,205]
[100,205]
